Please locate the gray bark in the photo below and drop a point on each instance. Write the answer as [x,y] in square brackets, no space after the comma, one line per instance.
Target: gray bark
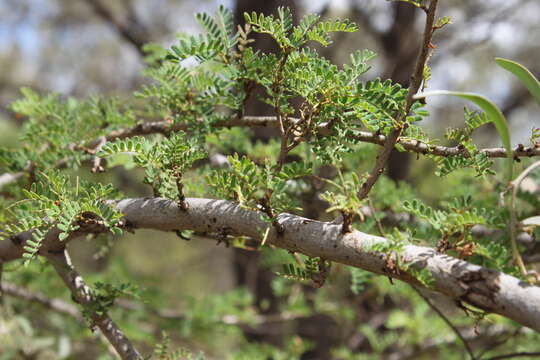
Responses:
[487,289]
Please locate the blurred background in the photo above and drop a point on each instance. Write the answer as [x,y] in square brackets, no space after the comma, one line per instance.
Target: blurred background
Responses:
[227,302]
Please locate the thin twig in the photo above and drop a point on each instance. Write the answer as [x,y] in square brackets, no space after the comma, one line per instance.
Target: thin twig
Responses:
[447,321]
[515,355]
[55,304]
[416,81]
[377,221]
[133,34]
[62,307]
[514,185]
[165,127]
[283,120]
[498,343]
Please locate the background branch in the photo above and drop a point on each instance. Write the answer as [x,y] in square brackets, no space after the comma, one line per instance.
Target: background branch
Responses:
[132,31]
[55,304]
[447,321]
[82,294]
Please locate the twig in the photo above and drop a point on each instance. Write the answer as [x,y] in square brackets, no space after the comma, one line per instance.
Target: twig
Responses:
[377,221]
[164,127]
[283,120]
[82,294]
[55,304]
[487,338]
[416,81]
[447,321]
[514,185]
[514,355]
[62,307]
[498,343]
[96,160]
[132,34]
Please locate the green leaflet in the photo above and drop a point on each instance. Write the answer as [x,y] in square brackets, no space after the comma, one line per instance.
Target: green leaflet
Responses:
[494,114]
[523,74]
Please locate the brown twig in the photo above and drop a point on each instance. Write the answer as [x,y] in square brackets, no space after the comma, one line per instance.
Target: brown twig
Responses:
[416,81]
[62,307]
[283,120]
[514,186]
[164,127]
[133,33]
[447,321]
[319,278]
[514,355]
[377,221]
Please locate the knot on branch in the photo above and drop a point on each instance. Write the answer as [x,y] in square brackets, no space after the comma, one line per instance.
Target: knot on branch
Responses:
[480,288]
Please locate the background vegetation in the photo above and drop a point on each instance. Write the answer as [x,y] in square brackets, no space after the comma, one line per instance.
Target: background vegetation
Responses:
[230,302]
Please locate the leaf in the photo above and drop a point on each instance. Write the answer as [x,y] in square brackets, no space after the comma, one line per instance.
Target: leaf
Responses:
[527,78]
[494,114]
[533,220]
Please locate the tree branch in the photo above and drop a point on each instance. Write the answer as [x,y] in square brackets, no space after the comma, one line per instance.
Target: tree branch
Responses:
[9,178]
[447,321]
[486,337]
[62,307]
[416,81]
[133,34]
[515,355]
[82,294]
[55,304]
[165,127]
[487,289]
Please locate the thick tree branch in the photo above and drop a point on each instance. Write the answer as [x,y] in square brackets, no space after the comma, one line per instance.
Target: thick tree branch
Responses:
[486,289]
[82,294]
